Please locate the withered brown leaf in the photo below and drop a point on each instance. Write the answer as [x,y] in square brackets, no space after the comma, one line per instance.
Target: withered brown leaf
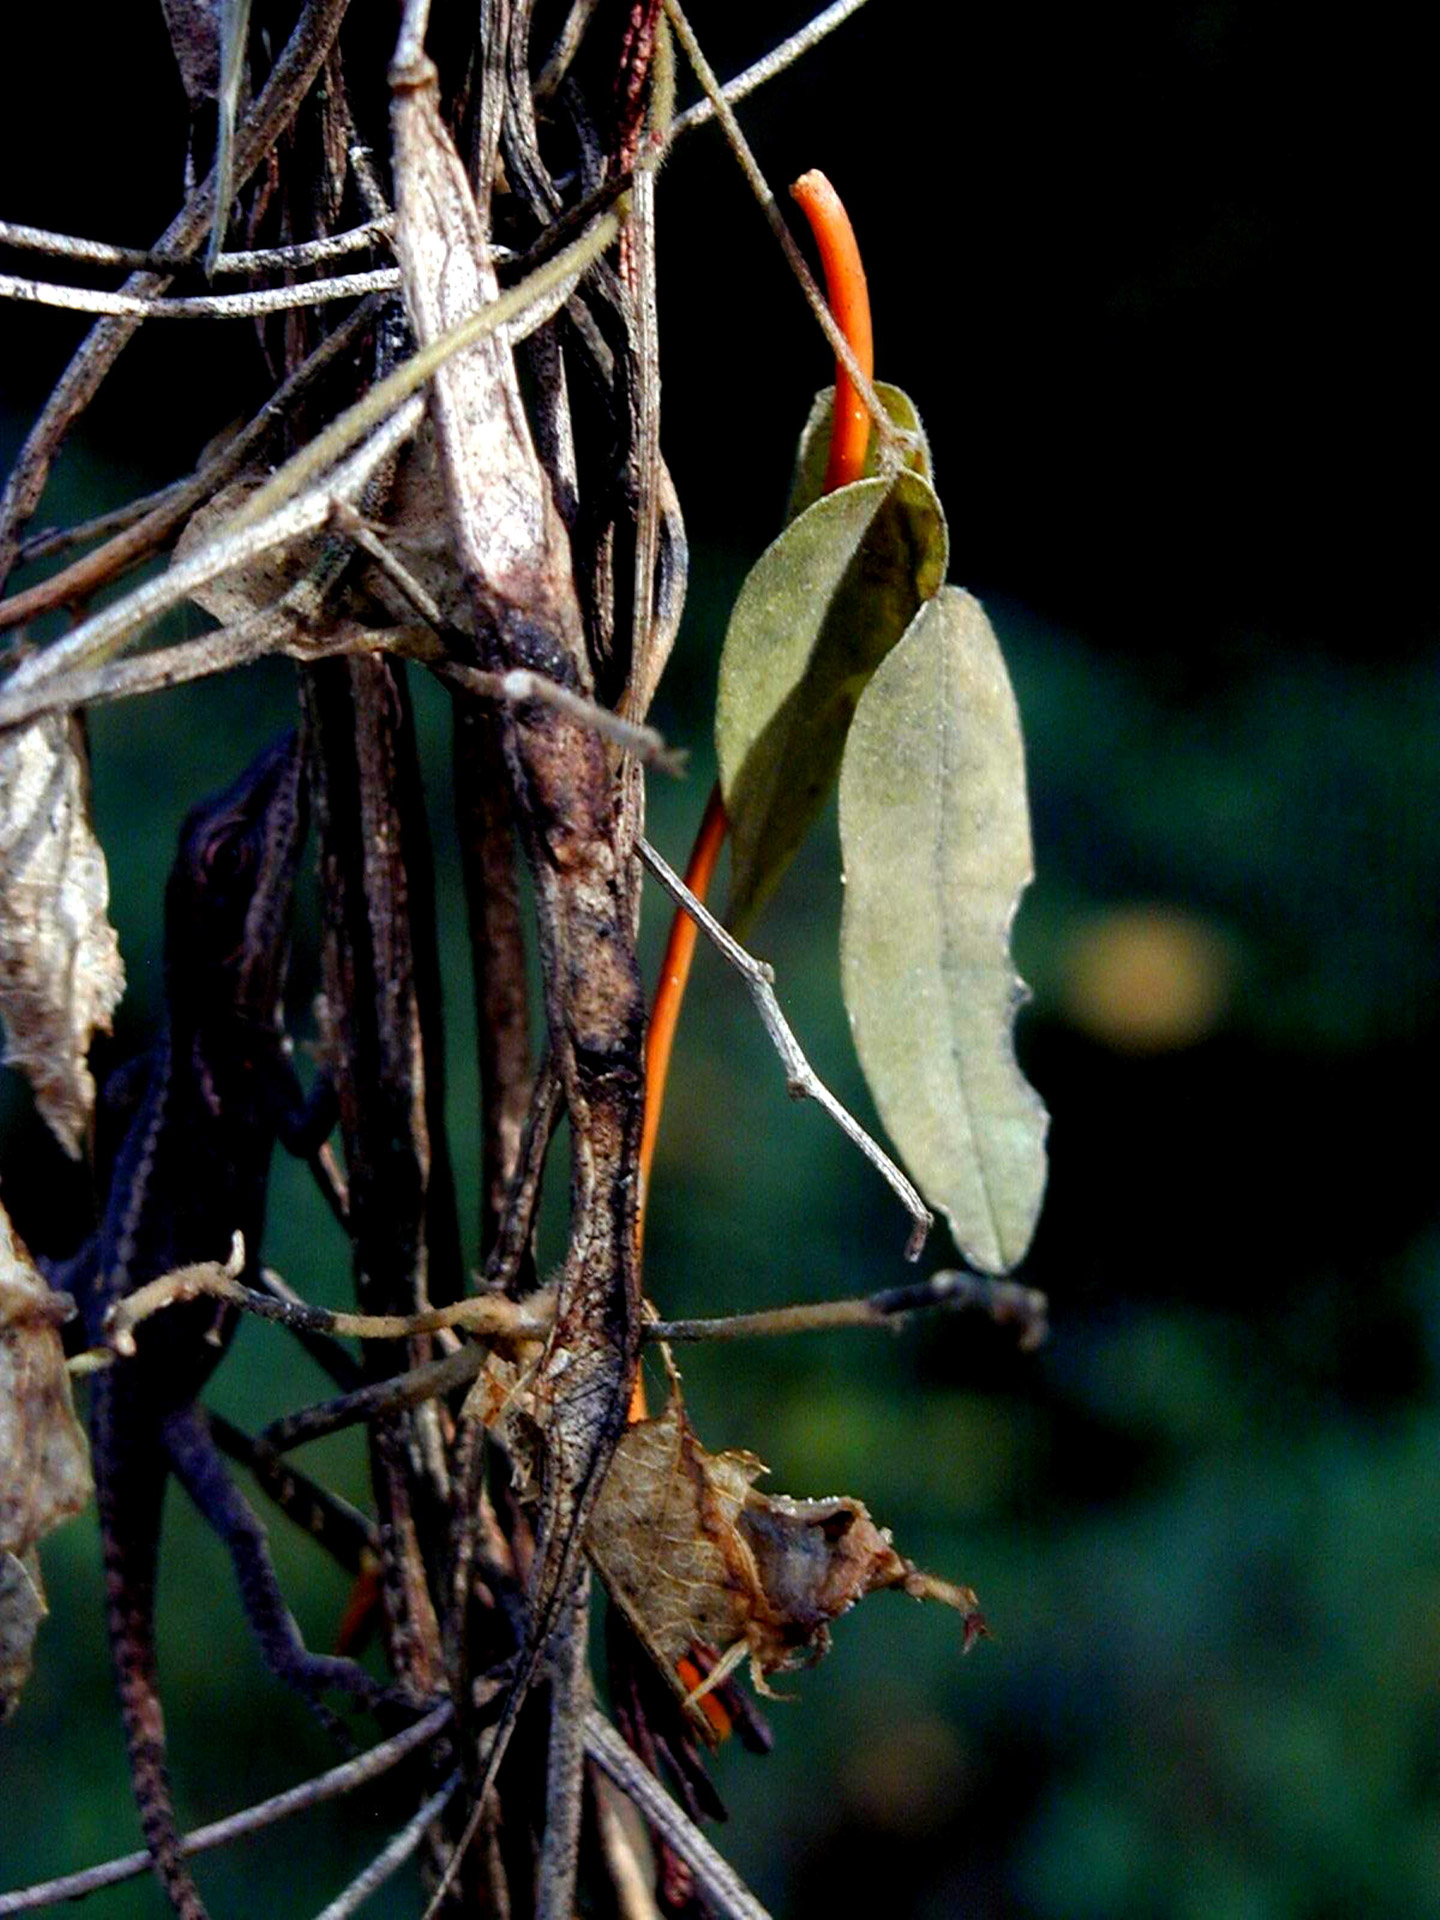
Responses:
[44,1461]
[262,582]
[22,1608]
[695,1557]
[60,970]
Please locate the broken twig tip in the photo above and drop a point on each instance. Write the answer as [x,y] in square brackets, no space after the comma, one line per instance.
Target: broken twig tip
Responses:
[919,1234]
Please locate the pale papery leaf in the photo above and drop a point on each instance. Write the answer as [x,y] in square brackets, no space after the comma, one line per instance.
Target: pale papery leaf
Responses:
[44,1459]
[60,970]
[22,1608]
[417,532]
[935,837]
[261,582]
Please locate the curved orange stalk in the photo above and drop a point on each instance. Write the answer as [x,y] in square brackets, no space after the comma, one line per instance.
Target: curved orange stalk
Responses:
[664,1018]
[691,1678]
[674,973]
[849,299]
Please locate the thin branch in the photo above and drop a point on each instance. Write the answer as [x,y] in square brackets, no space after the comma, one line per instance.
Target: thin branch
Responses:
[279,100]
[52,540]
[521,684]
[716,1880]
[348,1535]
[392,1857]
[307,253]
[520,308]
[800,1078]
[242,539]
[776,61]
[565,1759]
[199,306]
[633,1884]
[236,1826]
[885,427]
[233,646]
[410,47]
[157,518]
[488,1317]
[1006,1302]
[358,530]
[272,630]
[334,1360]
[381,1398]
[517,1219]
[565,49]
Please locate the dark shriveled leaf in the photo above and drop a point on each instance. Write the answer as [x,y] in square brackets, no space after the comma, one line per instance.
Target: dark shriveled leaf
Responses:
[819,610]
[935,836]
[60,971]
[194,27]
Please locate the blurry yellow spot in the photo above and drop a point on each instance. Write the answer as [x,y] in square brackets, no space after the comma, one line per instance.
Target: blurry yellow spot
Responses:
[909,1780]
[1146,979]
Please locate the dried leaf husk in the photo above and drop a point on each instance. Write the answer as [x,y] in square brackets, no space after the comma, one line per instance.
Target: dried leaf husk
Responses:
[44,1461]
[818,612]
[22,1608]
[60,971]
[262,582]
[695,1557]
[935,836]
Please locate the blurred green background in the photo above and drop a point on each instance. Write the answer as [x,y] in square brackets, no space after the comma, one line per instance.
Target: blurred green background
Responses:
[1152,275]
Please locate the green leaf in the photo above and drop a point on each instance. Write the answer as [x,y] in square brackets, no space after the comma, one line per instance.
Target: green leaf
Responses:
[819,610]
[813,453]
[935,836]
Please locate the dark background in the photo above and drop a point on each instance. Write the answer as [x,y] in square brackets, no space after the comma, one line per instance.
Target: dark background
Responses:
[1154,276]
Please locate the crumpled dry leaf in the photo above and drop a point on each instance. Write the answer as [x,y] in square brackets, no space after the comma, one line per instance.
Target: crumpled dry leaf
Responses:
[417,532]
[44,1461]
[22,1608]
[60,970]
[696,1558]
[264,581]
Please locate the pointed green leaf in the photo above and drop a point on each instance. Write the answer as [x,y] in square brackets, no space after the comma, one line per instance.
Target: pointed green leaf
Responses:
[819,610]
[813,453]
[935,835]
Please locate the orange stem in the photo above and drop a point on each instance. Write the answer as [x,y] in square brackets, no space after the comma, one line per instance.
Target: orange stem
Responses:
[674,973]
[849,441]
[849,299]
[710,1705]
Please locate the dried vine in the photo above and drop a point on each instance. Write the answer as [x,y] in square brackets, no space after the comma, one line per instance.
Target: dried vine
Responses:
[467,481]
